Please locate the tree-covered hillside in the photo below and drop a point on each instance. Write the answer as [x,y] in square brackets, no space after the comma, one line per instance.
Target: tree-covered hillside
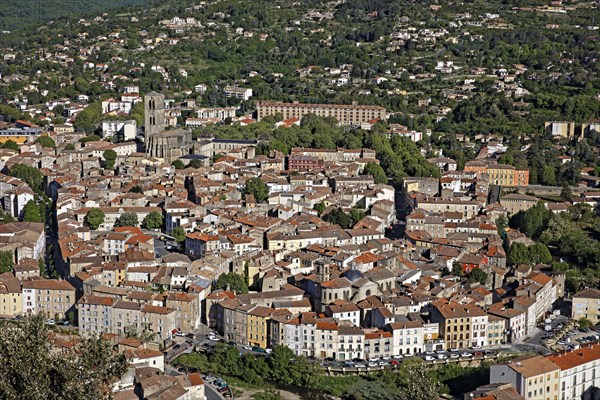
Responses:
[19,13]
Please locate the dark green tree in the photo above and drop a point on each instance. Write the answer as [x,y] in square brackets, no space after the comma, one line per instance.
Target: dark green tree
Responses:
[539,253]
[566,194]
[179,234]
[88,118]
[94,218]
[258,188]
[195,164]
[357,214]
[127,219]
[178,164]
[110,156]
[31,212]
[501,224]
[518,253]
[477,275]
[533,221]
[337,216]
[32,176]
[70,147]
[90,138]
[319,207]
[376,172]
[279,361]
[235,282]
[153,220]
[136,189]
[11,145]
[225,360]
[7,261]
[42,266]
[457,269]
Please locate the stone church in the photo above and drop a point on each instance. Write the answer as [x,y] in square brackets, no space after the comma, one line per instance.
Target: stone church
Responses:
[168,144]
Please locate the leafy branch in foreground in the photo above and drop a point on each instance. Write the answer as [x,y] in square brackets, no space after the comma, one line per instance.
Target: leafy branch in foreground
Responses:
[30,370]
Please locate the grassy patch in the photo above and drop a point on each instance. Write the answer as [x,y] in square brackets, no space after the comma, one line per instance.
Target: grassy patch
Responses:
[238,383]
[336,385]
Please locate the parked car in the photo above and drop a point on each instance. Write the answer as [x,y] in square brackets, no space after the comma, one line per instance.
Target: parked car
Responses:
[398,357]
[372,364]
[454,350]
[223,389]
[258,349]
[220,383]
[429,358]
[373,359]
[385,358]
[442,356]
[454,355]
[394,362]
[466,355]
[176,347]
[382,363]
[51,322]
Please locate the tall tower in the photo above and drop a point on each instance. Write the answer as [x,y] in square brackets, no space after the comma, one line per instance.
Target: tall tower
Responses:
[154,114]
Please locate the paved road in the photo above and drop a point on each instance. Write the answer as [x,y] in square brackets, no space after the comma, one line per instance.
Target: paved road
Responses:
[211,393]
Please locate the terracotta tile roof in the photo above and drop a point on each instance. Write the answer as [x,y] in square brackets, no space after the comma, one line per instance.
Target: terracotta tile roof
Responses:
[378,335]
[195,379]
[588,294]
[47,284]
[540,278]
[327,325]
[532,366]
[97,300]
[571,359]
[367,257]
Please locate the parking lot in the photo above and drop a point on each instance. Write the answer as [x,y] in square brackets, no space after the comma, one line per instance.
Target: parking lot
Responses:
[575,337]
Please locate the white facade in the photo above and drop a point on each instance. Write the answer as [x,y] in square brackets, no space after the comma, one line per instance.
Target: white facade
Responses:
[352,316]
[125,130]
[29,301]
[579,381]
[407,338]
[219,113]
[237,92]
[479,330]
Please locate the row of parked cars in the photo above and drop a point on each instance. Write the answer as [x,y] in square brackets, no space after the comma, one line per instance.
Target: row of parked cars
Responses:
[219,384]
[53,322]
[385,361]
[594,336]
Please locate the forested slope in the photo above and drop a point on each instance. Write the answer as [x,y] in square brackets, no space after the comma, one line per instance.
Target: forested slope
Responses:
[19,13]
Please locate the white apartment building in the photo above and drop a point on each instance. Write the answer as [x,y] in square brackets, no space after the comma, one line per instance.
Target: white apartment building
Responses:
[218,113]
[237,92]
[124,130]
[579,373]
[407,336]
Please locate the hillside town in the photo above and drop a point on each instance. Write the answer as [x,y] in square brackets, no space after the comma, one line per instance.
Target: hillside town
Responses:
[332,265]
[231,222]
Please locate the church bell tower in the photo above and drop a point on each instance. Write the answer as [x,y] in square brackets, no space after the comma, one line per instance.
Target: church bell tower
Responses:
[154,114]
